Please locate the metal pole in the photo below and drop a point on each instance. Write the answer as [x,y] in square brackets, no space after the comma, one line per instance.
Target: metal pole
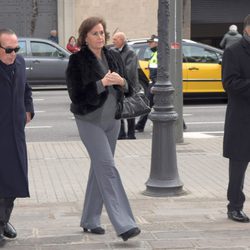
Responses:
[175,34]
[164,178]
[187,19]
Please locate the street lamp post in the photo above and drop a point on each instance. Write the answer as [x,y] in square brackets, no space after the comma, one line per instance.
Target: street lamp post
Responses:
[164,178]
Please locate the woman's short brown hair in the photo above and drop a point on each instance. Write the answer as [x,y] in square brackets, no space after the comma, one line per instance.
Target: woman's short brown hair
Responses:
[87,25]
[71,38]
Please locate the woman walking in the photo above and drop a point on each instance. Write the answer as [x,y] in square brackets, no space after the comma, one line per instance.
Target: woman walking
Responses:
[96,85]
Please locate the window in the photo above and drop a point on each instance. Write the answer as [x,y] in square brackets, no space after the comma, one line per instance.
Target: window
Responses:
[147,53]
[199,54]
[142,51]
[23,48]
[44,50]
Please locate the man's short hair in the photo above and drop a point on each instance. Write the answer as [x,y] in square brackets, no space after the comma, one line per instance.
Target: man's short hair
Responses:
[233,27]
[6,31]
[246,21]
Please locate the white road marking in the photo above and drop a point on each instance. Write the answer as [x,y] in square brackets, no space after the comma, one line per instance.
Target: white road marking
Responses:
[206,107]
[40,111]
[199,123]
[38,99]
[210,132]
[203,134]
[38,127]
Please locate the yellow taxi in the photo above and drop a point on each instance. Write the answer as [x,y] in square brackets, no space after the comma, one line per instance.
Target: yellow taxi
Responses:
[201,68]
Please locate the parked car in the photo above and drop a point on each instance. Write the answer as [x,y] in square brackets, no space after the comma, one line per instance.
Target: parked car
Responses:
[45,60]
[201,68]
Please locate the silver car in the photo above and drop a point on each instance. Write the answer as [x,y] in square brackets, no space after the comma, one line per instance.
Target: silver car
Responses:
[46,61]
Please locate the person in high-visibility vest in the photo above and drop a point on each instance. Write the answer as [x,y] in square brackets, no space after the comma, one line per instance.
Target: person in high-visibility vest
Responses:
[152,65]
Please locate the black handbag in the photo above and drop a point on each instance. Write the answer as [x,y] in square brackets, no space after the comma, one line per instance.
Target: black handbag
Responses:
[135,105]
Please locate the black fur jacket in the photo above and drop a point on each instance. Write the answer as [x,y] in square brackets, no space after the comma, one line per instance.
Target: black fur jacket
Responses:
[82,74]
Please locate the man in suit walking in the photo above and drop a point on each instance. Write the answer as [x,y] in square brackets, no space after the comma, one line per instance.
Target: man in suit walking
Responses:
[16,110]
[131,65]
[236,145]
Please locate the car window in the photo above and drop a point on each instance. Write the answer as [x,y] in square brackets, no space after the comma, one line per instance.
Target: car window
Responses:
[23,48]
[147,53]
[142,51]
[40,49]
[199,54]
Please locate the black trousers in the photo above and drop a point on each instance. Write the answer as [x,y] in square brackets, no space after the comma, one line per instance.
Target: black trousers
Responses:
[6,207]
[143,119]
[235,193]
[131,128]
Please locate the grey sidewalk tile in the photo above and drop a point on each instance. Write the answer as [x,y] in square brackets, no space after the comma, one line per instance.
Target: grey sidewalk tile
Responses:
[221,248]
[58,173]
[26,247]
[169,244]
[59,170]
[82,246]
[225,243]
[178,225]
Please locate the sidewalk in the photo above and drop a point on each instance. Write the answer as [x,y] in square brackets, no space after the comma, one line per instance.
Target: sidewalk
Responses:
[58,171]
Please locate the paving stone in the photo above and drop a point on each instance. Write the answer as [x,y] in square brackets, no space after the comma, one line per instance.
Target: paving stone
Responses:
[58,173]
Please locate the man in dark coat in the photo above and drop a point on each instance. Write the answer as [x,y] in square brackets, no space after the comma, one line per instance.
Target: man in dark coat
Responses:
[16,110]
[231,37]
[236,147]
[130,61]
[53,36]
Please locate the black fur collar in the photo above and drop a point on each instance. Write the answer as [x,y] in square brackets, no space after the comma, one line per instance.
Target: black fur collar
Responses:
[91,58]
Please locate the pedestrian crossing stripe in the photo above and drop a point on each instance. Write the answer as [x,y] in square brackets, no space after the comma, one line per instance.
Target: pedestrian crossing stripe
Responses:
[204,134]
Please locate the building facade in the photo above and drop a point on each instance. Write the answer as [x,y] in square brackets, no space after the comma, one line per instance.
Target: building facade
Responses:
[210,19]
[29,18]
[135,18]
[203,20]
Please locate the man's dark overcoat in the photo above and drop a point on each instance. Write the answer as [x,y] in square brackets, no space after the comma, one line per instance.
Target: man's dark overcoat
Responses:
[15,101]
[130,61]
[236,82]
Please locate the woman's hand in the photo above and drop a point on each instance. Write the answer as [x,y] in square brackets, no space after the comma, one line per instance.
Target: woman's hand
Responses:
[112,79]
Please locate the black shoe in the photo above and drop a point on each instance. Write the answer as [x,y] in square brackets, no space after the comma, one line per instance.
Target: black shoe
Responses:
[122,137]
[140,130]
[131,137]
[2,241]
[184,126]
[130,233]
[237,215]
[1,238]
[9,231]
[97,230]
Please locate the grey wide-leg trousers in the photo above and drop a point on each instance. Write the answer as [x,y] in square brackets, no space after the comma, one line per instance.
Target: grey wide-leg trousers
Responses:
[104,183]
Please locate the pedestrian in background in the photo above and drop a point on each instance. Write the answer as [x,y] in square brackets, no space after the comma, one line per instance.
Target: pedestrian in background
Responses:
[96,86]
[16,110]
[236,146]
[231,37]
[152,65]
[71,45]
[130,61]
[53,36]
